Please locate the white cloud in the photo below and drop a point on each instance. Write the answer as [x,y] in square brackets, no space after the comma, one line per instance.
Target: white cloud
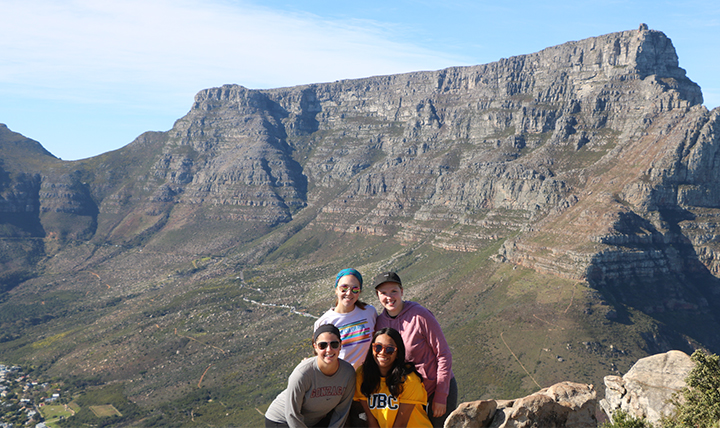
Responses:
[67,46]
[68,66]
[87,76]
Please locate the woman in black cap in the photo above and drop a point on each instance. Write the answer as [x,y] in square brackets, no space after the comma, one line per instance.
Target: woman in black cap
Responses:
[425,344]
[320,390]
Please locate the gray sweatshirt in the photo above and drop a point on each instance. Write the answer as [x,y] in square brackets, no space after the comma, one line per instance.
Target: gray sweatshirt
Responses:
[311,395]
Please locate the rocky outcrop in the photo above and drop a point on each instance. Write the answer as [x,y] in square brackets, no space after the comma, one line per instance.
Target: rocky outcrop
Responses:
[645,390]
[565,404]
[19,187]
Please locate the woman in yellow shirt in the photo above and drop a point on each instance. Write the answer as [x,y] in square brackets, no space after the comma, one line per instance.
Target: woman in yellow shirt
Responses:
[390,389]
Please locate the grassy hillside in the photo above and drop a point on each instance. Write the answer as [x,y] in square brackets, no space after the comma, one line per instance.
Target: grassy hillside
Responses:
[211,342]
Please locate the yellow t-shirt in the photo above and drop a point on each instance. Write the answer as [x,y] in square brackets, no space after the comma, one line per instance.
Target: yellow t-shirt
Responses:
[385,407]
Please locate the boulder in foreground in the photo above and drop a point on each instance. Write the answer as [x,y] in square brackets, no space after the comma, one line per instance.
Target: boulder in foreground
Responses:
[565,404]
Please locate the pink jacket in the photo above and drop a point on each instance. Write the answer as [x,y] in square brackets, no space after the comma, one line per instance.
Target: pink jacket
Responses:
[425,346]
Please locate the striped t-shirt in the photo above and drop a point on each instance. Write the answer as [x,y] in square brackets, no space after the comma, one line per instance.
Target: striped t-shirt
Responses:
[356,330]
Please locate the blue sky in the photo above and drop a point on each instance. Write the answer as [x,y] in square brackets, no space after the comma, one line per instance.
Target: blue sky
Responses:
[84,77]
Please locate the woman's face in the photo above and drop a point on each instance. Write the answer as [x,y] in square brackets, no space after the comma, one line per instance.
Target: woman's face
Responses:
[327,347]
[381,348]
[347,292]
[390,295]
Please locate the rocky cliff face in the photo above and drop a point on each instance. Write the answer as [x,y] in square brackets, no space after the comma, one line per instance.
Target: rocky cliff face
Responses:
[596,152]
[595,156]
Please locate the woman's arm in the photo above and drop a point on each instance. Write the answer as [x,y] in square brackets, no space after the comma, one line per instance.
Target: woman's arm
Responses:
[372,422]
[342,410]
[403,415]
[441,349]
[298,385]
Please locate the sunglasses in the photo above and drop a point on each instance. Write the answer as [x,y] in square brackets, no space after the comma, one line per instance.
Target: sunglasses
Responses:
[354,290]
[334,344]
[378,348]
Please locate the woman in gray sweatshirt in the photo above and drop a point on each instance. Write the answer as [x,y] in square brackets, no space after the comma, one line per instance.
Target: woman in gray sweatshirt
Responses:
[320,390]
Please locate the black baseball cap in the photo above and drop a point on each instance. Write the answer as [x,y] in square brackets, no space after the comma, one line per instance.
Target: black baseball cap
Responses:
[386,277]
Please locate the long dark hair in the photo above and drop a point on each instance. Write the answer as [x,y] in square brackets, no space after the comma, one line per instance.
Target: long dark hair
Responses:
[398,372]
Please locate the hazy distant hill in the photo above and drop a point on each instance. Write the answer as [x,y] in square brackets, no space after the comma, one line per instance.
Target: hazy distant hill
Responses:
[557,211]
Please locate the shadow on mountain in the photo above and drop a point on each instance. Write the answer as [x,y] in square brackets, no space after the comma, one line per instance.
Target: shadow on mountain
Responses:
[661,275]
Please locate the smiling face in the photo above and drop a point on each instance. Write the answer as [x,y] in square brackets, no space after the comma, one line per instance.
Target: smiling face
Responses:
[390,295]
[328,357]
[347,293]
[384,359]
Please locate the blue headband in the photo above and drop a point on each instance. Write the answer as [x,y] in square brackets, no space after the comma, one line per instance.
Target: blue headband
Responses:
[349,271]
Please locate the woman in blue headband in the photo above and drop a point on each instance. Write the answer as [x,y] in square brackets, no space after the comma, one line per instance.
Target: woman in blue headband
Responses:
[355,319]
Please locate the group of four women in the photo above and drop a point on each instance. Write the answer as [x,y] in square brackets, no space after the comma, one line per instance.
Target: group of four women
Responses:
[393,368]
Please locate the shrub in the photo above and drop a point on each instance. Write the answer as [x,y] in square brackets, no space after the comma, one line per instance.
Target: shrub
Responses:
[698,404]
[621,419]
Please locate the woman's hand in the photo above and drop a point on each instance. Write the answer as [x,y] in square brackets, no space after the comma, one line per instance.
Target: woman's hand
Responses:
[372,422]
[438,409]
